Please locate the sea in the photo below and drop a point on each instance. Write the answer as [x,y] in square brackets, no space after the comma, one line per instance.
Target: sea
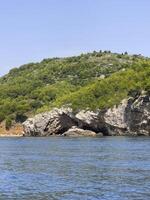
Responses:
[87,168]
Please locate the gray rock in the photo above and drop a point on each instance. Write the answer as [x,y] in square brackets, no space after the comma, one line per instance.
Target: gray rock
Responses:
[137,115]
[99,134]
[92,120]
[50,123]
[77,132]
[115,119]
[131,117]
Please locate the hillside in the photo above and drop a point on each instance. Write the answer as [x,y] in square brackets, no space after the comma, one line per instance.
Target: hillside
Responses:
[95,80]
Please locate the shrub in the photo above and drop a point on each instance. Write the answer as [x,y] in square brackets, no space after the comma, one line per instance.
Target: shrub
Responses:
[8,123]
[2,116]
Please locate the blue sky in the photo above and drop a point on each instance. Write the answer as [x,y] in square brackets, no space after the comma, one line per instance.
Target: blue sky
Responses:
[31,30]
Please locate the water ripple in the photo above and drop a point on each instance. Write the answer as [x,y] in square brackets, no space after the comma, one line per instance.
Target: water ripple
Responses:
[109,168]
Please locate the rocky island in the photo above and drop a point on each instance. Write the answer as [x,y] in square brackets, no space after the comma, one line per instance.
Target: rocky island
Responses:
[94,94]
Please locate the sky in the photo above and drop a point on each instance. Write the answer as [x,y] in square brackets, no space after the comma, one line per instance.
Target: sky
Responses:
[31,30]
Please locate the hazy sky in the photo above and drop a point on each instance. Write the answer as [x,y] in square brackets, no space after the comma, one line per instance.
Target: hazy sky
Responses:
[31,30]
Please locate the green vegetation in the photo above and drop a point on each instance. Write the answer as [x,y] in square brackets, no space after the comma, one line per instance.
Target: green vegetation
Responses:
[8,123]
[95,80]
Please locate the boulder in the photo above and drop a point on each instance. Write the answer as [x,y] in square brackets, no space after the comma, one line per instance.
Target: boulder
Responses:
[78,132]
[50,123]
[92,120]
[58,121]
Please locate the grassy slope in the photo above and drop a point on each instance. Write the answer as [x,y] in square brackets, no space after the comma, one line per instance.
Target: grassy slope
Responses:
[78,81]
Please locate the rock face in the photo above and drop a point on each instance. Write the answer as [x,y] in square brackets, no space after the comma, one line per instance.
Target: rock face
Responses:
[58,121]
[76,132]
[131,117]
[92,120]
[137,115]
[50,123]
[115,119]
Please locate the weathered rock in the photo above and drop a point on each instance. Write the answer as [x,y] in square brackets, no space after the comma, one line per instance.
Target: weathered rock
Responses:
[115,119]
[77,132]
[92,120]
[99,134]
[137,115]
[131,117]
[50,123]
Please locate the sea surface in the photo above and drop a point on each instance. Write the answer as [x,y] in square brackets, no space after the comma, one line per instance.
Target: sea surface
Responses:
[56,168]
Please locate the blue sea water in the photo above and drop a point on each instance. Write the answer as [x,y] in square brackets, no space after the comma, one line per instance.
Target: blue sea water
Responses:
[57,168]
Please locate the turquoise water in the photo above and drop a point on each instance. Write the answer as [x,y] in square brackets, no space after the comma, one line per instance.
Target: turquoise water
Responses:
[108,168]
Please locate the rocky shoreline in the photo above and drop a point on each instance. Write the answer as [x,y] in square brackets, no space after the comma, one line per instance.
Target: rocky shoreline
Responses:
[130,118]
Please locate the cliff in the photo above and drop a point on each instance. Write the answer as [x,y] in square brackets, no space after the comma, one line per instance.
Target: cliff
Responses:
[130,117]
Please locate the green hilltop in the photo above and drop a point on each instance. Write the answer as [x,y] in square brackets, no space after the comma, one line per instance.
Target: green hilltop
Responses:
[93,81]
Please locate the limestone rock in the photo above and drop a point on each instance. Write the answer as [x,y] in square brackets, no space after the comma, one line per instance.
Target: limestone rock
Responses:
[137,115]
[92,120]
[77,132]
[115,119]
[130,117]
[50,123]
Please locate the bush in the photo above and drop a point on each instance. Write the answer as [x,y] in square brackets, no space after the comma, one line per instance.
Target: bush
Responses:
[8,123]
[2,117]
